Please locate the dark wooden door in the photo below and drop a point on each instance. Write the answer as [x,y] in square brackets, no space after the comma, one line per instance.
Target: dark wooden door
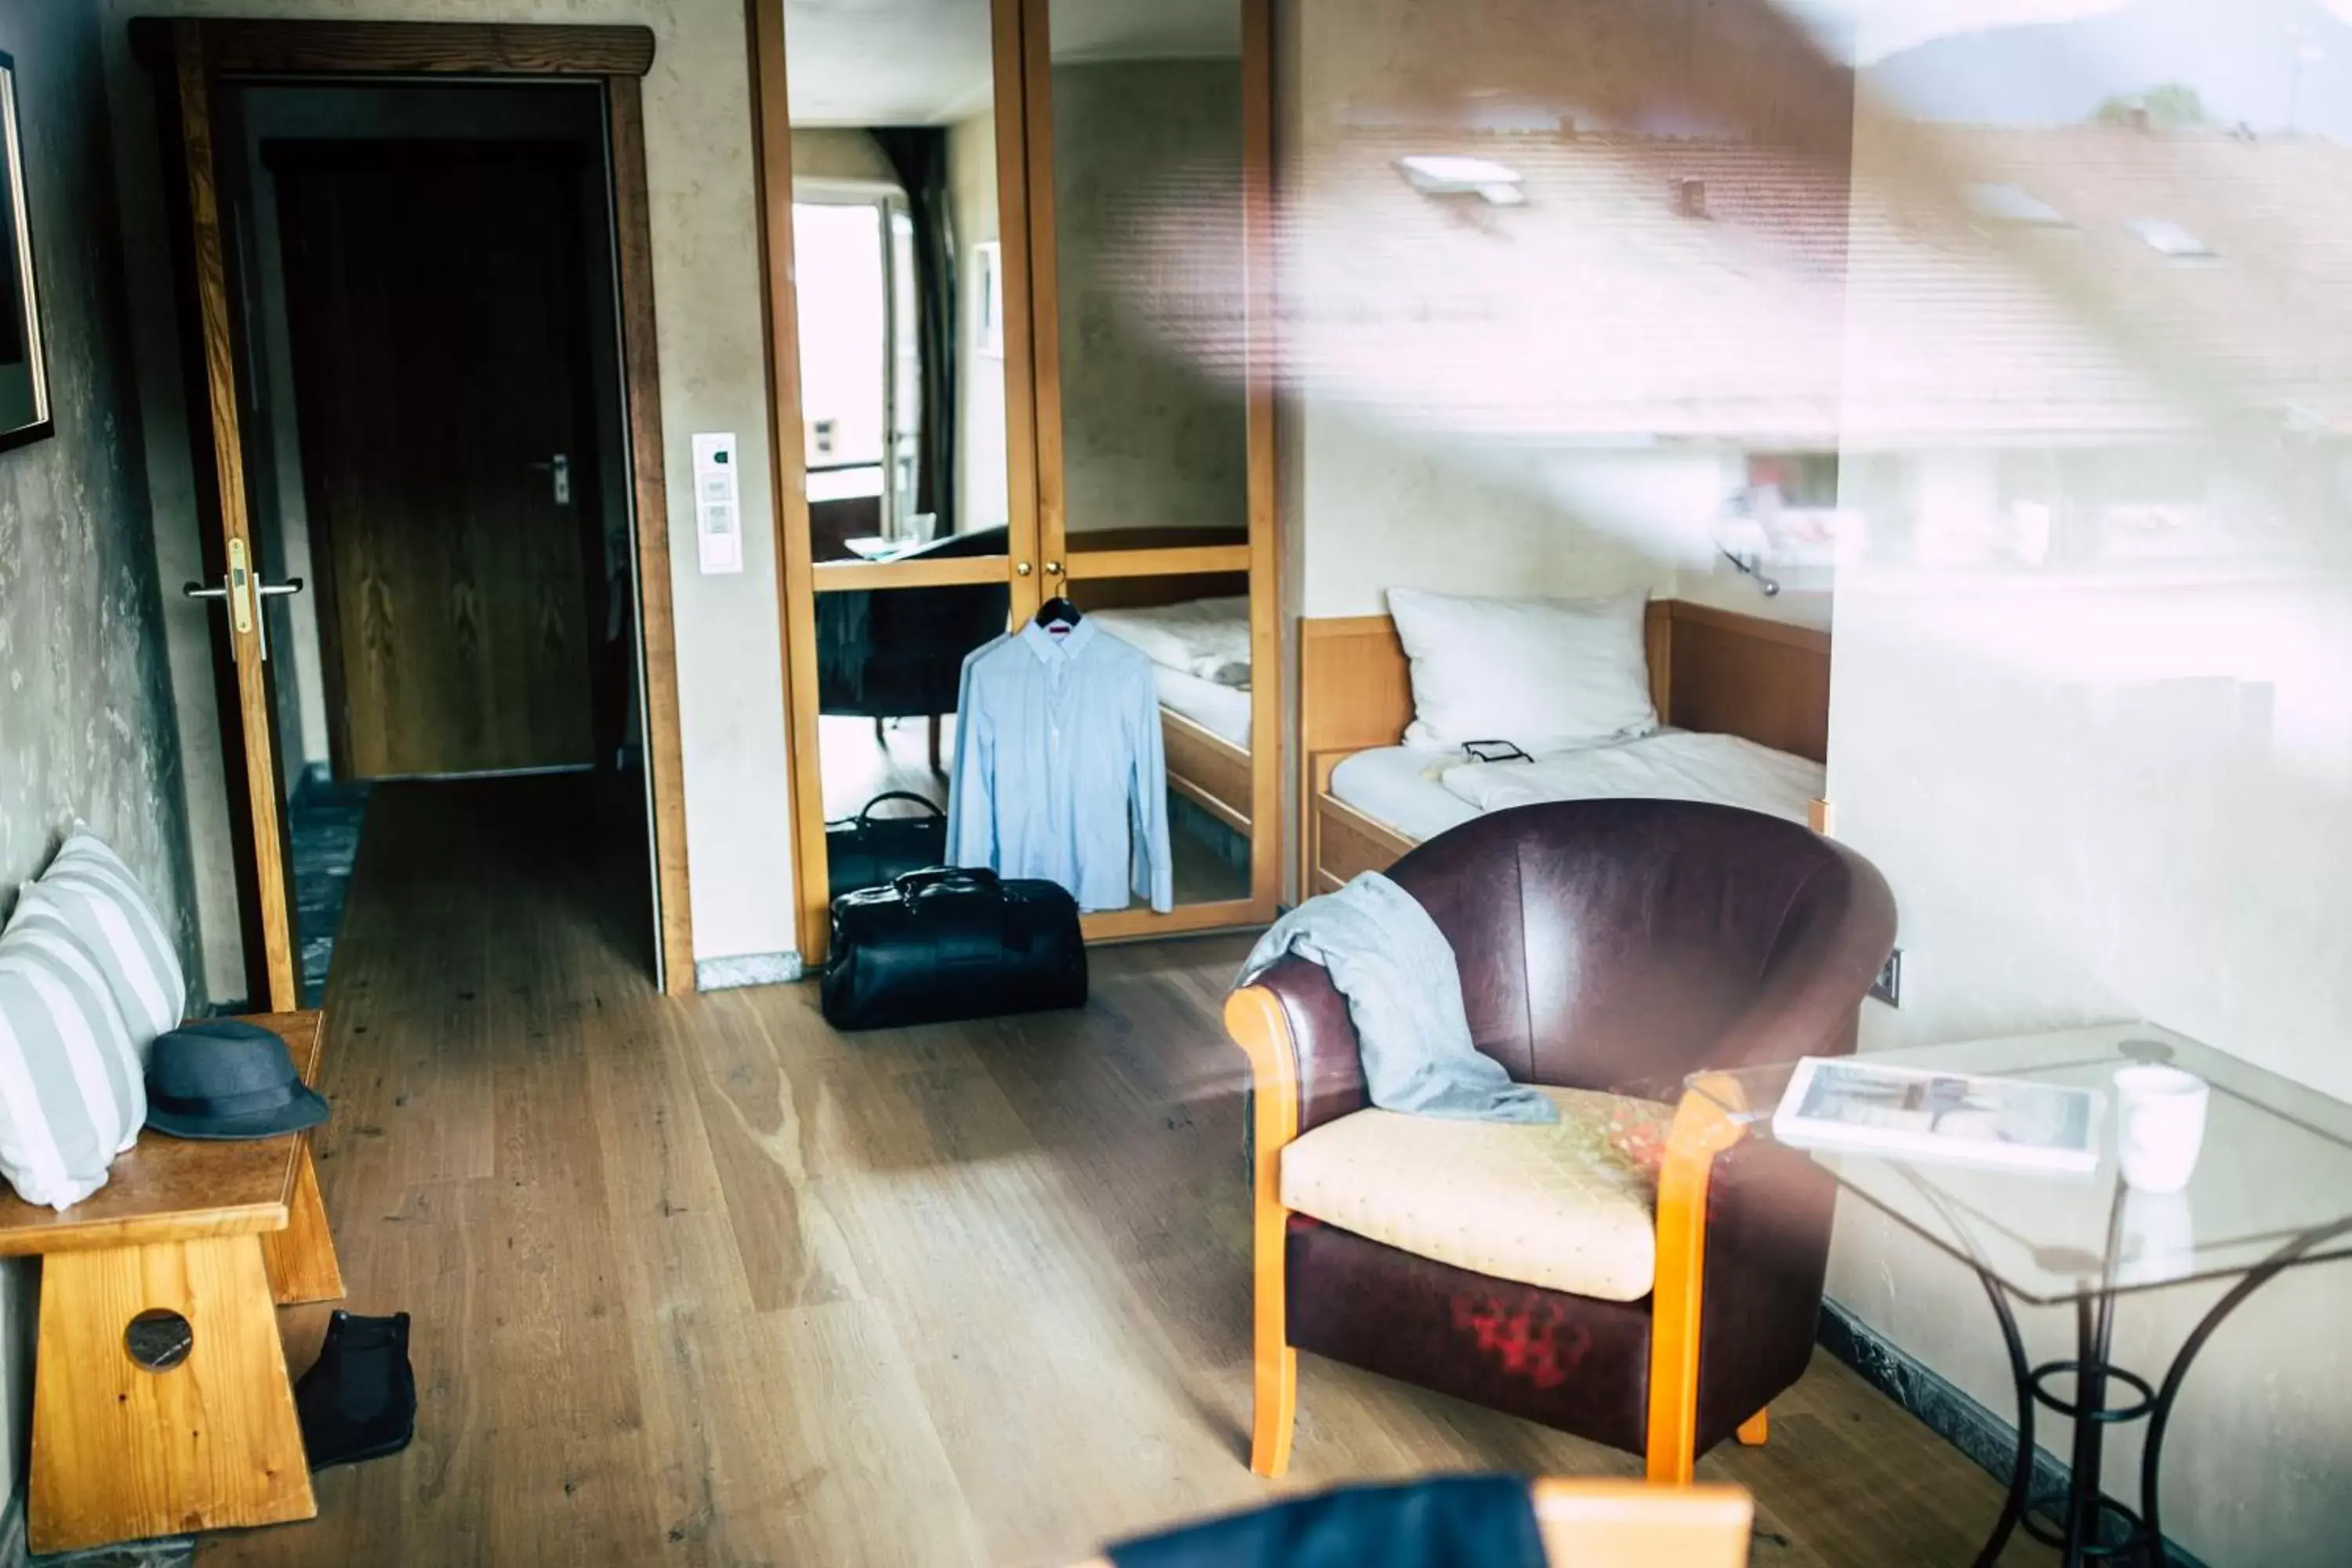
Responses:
[434,296]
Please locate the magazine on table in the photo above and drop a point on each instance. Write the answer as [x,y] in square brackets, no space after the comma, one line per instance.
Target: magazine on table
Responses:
[1848,1102]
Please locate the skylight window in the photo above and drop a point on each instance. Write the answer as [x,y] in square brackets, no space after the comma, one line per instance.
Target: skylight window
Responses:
[2014,205]
[1443,175]
[2166,237]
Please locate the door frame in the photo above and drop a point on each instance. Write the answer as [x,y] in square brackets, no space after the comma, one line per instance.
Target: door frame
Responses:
[189,56]
[1032,446]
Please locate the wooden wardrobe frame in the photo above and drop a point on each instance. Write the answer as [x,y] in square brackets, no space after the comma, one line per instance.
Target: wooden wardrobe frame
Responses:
[189,56]
[1033,454]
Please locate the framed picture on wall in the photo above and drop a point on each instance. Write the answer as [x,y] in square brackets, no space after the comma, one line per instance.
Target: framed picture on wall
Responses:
[989,338]
[24,377]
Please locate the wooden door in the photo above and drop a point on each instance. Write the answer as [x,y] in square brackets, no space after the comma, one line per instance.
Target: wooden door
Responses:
[244,689]
[435,295]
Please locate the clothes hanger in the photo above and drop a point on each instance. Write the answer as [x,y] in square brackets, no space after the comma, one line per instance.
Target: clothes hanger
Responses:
[1059,611]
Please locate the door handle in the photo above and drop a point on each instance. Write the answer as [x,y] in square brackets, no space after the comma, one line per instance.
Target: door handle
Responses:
[236,590]
[235,600]
[1020,568]
[559,468]
[1053,568]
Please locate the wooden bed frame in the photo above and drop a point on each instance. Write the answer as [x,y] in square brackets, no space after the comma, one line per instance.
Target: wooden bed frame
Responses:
[1205,768]
[1712,669]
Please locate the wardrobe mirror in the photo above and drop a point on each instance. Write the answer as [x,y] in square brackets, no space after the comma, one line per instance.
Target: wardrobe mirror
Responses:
[899,297]
[1148,271]
[899,289]
[1194,629]
[1146,254]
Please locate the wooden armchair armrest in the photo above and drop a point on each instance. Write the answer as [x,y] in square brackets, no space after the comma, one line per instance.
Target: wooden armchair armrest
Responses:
[1257,1020]
[1703,1128]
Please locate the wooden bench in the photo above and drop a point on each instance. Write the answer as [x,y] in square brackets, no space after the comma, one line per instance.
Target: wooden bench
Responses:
[216,1233]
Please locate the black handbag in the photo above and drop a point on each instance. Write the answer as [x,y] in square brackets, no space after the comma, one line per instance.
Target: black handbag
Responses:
[950,943]
[870,851]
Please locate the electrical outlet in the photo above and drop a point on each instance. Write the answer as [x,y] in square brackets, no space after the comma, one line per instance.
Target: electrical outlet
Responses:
[1888,987]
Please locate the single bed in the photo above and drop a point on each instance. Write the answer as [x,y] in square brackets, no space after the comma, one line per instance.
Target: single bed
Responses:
[1745,703]
[1199,653]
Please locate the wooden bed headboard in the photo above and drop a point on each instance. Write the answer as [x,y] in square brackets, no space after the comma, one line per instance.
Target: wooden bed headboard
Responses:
[1712,669]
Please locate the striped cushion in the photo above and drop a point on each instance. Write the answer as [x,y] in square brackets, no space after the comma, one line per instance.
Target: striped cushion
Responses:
[91,892]
[72,1094]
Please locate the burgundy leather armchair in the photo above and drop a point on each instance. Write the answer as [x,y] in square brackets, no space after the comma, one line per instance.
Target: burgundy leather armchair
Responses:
[1614,945]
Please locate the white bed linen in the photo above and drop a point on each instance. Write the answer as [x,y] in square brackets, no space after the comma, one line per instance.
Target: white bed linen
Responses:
[1219,709]
[1422,796]
[1399,787]
[1678,765]
[1205,637]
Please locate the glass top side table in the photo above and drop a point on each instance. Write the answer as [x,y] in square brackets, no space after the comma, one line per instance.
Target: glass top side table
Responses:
[2273,1188]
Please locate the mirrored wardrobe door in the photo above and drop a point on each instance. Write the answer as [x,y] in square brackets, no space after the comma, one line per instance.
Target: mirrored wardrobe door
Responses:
[911,341]
[1142,149]
[897,225]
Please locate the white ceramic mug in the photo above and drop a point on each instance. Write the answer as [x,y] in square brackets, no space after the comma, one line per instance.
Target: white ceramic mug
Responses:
[2161,1127]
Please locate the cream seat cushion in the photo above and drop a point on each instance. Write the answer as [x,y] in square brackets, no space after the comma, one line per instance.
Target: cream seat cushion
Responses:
[1553,1205]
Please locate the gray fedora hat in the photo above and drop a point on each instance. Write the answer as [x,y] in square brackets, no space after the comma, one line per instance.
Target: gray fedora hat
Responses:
[227,1080]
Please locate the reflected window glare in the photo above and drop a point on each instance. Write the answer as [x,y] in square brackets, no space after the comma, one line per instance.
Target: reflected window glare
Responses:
[2166,237]
[2012,203]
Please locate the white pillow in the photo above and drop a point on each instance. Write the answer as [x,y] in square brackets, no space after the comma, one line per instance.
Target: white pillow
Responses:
[1547,675]
[91,892]
[72,1094]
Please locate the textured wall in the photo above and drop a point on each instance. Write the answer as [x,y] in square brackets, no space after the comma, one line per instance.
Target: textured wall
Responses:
[1147,213]
[86,722]
[826,152]
[713,378]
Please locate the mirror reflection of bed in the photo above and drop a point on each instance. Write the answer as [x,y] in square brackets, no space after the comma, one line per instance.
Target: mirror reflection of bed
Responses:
[1147,253]
[1195,628]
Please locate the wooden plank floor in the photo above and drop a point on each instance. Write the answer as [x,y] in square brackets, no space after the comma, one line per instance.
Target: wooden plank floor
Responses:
[704,1282]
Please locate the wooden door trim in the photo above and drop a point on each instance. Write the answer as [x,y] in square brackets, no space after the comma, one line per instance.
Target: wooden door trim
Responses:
[633,273]
[772,172]
[1023,429]
[193,53]
[1090,564]
[1268,774]
[954,571]
[1044,301]
[243,47]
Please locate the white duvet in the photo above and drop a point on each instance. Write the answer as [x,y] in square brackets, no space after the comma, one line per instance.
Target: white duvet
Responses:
[1205,637]
[1675,766]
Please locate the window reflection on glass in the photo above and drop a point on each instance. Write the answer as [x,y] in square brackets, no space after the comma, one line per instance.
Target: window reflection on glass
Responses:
[894,182]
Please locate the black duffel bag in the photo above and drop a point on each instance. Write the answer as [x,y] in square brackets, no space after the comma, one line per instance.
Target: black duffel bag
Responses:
[950,943]
[870,851]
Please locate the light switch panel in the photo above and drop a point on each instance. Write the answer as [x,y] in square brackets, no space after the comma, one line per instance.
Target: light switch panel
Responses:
[718,502]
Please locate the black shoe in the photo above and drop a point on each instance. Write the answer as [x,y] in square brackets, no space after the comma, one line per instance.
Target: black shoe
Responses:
[358,1402]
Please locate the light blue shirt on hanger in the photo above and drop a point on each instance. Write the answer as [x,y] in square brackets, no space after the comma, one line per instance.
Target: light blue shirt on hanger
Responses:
[1059,771]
